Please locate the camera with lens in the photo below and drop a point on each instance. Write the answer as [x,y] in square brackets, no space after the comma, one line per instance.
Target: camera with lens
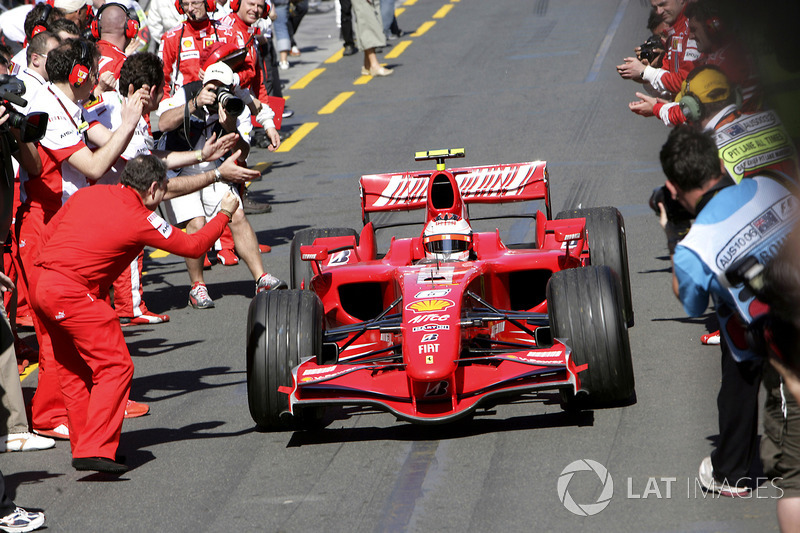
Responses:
[675,211]
[772,331]
[232,104]
[32,126]
[651,49]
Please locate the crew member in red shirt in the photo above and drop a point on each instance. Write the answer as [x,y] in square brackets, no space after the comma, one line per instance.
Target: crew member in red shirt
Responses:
[114,29]
[185,48]
[719,47]
[67,165]
[681,53]
[78,260]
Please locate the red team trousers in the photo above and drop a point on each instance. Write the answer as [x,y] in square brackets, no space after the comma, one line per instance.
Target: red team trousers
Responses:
[93,364]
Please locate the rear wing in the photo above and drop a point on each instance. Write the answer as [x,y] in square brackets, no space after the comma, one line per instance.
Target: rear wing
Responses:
[406,191]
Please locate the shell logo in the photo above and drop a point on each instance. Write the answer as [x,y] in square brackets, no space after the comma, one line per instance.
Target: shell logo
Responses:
[426,306]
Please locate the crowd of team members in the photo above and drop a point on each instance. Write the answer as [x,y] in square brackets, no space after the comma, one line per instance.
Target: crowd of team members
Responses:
[729,208]
[98,161]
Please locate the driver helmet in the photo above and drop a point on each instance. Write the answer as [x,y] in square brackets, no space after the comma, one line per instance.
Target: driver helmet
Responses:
[447,237]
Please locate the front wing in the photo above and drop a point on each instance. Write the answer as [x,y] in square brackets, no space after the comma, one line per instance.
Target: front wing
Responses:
[476,380]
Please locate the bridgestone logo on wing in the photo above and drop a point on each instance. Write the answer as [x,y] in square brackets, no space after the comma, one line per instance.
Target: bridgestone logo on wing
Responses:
[321,370]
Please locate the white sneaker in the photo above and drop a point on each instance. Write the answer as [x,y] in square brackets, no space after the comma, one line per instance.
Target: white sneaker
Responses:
[268,282]
[21,520]
[723,488]
[25,442]
[283,65]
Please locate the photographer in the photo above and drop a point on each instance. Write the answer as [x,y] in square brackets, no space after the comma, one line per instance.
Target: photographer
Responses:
[17,436]
[732,223]
[189,118]
[681,52]
[780,333]
[143,71]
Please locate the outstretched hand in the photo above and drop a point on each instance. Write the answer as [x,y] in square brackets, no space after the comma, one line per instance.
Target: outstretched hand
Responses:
[644,106]
[215,148]
[631,69]
[233,173]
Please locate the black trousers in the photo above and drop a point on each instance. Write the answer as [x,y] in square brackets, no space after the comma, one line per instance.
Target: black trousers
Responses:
[269,64]
[737,403]
[347,22]
[6,505]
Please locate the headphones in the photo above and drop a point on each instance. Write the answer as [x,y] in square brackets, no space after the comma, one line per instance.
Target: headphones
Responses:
[131,26]
[81,68]
[691,106]
[211,6]
[714,26]
[236,4]
[40,24]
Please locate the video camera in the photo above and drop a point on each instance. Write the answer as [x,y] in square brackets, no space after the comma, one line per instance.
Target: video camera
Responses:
[651,49]
[232,104]
[32,126]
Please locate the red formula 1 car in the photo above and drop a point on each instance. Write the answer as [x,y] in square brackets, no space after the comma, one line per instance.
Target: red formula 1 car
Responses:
[449,318]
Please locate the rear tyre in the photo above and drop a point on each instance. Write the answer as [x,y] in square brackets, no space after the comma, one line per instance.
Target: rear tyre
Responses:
[608,245]
[300,270]
[283,327]
[585,311]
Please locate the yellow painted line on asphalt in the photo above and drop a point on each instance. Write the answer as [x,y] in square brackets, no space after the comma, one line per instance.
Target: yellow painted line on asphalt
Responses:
[399,11]
[455,1]
[444,10]
[398,49]
[308,78]
[158,254]
[425,26]
[335,57]
[297,136]
[362,80]
[334,104]
[409,2]
[30,369]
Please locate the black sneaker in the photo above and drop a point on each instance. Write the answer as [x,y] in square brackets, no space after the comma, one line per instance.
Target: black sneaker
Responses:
[288,113]
[99,464]
[349,50]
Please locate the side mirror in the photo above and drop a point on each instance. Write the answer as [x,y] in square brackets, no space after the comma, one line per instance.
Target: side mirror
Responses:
[313,253]
[569,233]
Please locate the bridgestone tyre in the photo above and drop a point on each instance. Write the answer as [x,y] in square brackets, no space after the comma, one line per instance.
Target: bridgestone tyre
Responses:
[585,311]
[300,270]
[283,327]
[608,245]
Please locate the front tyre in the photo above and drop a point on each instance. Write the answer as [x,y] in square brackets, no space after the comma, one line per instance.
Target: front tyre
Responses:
[283,327]
[585,310]
[608,245]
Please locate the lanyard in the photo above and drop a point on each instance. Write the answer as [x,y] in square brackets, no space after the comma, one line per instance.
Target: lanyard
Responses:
[83,127]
